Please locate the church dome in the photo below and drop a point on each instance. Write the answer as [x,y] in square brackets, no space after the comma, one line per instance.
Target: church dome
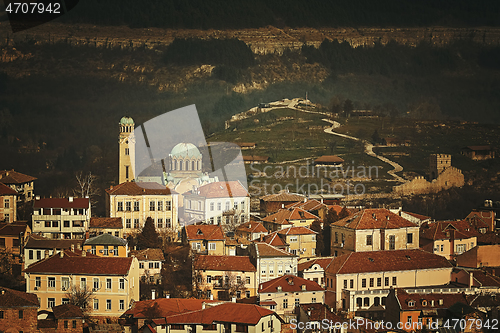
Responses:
[126,121]
[185,150]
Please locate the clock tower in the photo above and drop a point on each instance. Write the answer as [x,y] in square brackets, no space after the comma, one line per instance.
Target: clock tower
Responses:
[126,144]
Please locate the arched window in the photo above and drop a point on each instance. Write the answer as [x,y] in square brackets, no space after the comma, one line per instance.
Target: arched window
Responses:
[187,165]
[198,165]
[359,301]
[376,301]
[383,300]
[366,301]
[180,165]
[192,165]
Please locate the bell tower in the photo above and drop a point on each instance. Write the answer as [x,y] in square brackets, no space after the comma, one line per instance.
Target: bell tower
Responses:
[126,143]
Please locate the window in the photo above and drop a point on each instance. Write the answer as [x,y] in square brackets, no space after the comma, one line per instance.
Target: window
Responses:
[136,223]
[128,206]
[219,219]
[160,224]
[363,283]
[248,280]
[21,314]
[379,282]
[66,224]
[136,206]
[66,324]
[227,205]
[65,283]
[96,284]
[160,206]
[128,224]
[122,284]
[127,151]
[238,294]
[6,203]
[313,300]
[372,281]
[442,248]
[157,264]
[369,240]
[211,246]
[212,220]
[1,314]
[386,282]
[121,304]
[141,265]
[108,284]
[105,250]
[83,283]
[38,282]
[293,239]
[219,206]
[108,304]
[51,302]
[366,301]
[96,304]
[47,224]
[74,324]
[271,269]
[168,205]
[394,280]
[263,269]
[51,282]
[65,301]
[297,302]
[152,206]
[460,248]
[409,238]
[126,171]
[247,294]
[151,265]
[392,242]
[119,206]
[351,283]
[30,254]
[38,255]
[211,206]
[285,303]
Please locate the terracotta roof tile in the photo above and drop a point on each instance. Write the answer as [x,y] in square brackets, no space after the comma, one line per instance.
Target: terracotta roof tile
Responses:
[13,229]
[418,216]
[145,188]
[209,232]
[288,283]
[323,262]
[223,190]
[319,311]
[236,241]
[164,307]
[62,203]
[284,216]
[272,239]
[266,250]
[378,218]
[45,243]
[439,229]
[82,265]
[251,227]
[67,311]
[224,263]
[10,298]
[283,196]
[148,254]
[386,261]
[309,205]
[14,177]
[106,222]
[297,231]
[441,301]
[5,190]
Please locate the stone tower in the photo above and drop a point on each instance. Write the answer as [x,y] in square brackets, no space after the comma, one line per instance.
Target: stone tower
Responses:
[437,164]
[126,144]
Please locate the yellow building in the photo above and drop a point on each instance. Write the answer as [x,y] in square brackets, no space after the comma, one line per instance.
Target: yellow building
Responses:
[373,230]
[106,245]
[113,281]
[106,225]
[204,239]
[223,277]
[7,204]
[286,218]
[135,202]
[150,263]
[301,241]
[21,183]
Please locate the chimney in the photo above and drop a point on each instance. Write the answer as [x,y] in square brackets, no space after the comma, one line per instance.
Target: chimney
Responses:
[282,205]
[84,253]
[203,306]
[233,299]
[167,296]
[153,294]
[46,253]
[471,279]
[279,289]
[61,253]
[37,197]
[211,297]
[303,287]
[72,247]
[70,199]
[78,247]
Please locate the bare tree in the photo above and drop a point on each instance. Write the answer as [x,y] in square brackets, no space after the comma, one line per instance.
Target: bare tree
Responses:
[81,297]
[87,187]
[233,283]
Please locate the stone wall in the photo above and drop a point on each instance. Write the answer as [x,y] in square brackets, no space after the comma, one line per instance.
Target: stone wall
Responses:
[451,177]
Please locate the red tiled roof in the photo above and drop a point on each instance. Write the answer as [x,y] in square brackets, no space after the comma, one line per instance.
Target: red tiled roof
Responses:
[209,232]
[378,218]
[386,261]
[438,230]
[12,298]
[319,311]
[252,227]
[323,262]
[62,203]
[288,283]
[283,196]
[106,222]
[223,190]
[284,216]
[224,263]
[34,242]
[13,229]
[148,254]
[145,188]
[14,177]
[236,241]
[418,216]
[164,307]
[419,300]
[5,190]
[297,231]
[266,250]
[480,219]
[67,311]
[240,313]
[485,279]
[311,204]
[267,303]
[82,265]
[329,159]
[272,239]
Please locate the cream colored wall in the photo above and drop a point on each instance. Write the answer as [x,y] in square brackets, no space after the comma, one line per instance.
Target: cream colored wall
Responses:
[252,287]
[275,263]
[100,231]
[126,140]
[219,247]
[11,210]
[129,293]
[315,272]
[302,223]
[304,297]
[307,242]
[122,250]
[469,244]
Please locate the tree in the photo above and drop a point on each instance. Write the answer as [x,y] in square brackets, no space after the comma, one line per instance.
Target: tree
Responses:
[376,139]
[148,238]
[86,187]
[320,245]
[81,297]
[348,107]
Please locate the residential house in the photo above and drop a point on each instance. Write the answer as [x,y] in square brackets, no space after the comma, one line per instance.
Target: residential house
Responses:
[150,264]
[285,218]
[235,246]
[300,240]
[359,280]
[313,206]
[18,311]
[225,317]
[106,245]
[66,218]
[448,238]
[135,202]
[23,184]
[373,230]
[271,203]
[223,277]
[419,311]
[328,160]
[486,303]
[482,221]
[114,281]
[314,269]
[106,225]
[271,262]
[289,291]
[38,248]
[204,239]
[415,218]
[481,280]
[13,236]
[317,312]
[8,204]
[220,203]
[480,256]
[251,230]
[63,318]
[479,153]
[275,240]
